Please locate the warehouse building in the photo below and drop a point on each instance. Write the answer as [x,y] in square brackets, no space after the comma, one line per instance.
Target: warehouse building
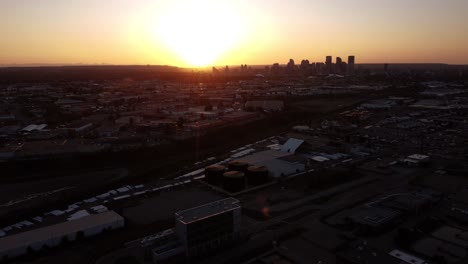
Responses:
[279,163]
[52,236]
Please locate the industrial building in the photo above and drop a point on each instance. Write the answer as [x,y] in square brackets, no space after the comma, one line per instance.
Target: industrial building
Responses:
[272,160]
[52,236]
[362,253]
[209,227]
[373,219]
[277,162]
[452,235]
[238,176]
[408,202]
[416,160]
[431,247]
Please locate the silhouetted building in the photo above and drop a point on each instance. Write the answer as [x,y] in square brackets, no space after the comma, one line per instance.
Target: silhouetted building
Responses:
[319,67]
[338,60]
[208,227]
[351,61]
[328,64]
[338,65]
[275,68]
[290,66]
[305,64]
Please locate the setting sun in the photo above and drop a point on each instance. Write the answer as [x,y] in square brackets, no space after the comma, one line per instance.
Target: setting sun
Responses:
[199,32]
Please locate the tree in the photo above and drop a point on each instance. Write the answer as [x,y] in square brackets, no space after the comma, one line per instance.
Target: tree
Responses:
[275,69]
[305,65]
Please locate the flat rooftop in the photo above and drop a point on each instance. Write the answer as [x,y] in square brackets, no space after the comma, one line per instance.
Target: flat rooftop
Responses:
[57,231]
[362,253]
[373,216]
[198,213]
[263,156]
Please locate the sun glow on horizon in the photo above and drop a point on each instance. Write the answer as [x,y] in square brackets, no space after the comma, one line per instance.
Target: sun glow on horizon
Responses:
[200,32]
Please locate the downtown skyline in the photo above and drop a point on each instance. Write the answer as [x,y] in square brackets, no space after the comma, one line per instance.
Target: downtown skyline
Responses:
[204,33]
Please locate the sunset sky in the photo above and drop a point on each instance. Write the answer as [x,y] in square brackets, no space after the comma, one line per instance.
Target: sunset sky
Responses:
[218,32]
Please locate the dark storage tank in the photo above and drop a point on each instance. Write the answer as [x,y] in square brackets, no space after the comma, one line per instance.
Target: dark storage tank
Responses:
[234,181]
[214,173]
[257,175]
[238,165]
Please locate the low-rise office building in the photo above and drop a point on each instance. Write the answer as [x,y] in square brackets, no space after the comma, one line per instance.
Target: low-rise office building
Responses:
[209,227]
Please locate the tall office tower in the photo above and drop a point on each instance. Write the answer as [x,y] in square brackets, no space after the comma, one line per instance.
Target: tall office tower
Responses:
[351,65]
[328,63]
[209,227]
[351,60]
[338,60]
[319,67]
[338,65]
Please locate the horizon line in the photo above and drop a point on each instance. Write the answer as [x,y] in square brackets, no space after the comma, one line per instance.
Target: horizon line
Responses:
[38,65]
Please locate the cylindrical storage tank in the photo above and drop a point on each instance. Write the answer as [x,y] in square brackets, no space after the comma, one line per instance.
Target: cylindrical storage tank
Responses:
[234,181]
[238,165]
[214,173]
[257,175]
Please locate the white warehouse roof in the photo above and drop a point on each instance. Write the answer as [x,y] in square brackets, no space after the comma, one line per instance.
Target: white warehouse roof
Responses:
[292,145]
[20,241]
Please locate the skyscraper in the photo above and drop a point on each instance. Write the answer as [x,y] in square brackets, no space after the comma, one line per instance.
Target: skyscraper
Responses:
[328,63]
[351,65]
[338,60]
[338,65]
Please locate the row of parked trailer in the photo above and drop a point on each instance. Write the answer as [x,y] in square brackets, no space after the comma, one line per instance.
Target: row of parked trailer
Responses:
[74,211]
